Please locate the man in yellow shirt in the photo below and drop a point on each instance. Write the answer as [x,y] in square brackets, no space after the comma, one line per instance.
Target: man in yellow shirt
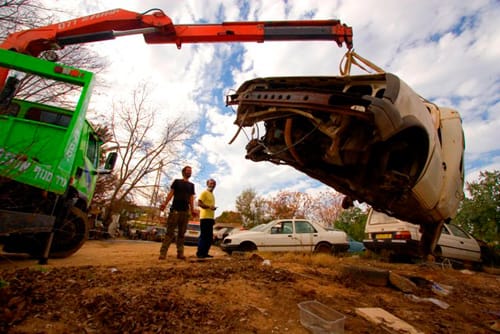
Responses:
[206,202]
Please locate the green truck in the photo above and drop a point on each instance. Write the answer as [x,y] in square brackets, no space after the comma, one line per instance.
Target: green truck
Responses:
[49,160]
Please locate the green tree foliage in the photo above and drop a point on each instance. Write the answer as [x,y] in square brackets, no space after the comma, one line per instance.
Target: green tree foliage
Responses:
[251,207]
[229,218]
[352,221]
[244,204]
[479,214]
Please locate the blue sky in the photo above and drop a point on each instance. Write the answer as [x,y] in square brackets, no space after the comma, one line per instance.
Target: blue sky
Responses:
[447,51]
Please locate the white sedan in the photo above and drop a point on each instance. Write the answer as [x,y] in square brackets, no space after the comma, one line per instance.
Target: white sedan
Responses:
[287,235]
[455,243]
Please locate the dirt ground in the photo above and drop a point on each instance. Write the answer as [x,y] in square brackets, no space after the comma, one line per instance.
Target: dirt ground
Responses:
[120,286]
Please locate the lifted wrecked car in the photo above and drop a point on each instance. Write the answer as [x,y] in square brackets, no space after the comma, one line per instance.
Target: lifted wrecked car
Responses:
[370,137]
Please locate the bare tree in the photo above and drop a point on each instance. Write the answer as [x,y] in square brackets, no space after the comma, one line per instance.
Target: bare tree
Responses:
[326,207]
[141,154]
[323,208]
[17,15]
[289,204]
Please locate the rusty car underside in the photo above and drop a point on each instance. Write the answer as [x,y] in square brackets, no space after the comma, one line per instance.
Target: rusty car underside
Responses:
[346,132]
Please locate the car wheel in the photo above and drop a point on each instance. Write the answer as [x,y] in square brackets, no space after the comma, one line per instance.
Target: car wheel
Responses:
[248,247]
[386,255]
[486,256]
[399,258]
[438,254]
[324,248]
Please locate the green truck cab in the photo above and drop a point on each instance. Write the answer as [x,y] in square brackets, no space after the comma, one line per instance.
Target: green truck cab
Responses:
[49,161]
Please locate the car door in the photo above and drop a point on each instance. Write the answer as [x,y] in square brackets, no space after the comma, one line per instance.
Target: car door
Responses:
[455,243]
[280,238]
[306,235]
[469,248]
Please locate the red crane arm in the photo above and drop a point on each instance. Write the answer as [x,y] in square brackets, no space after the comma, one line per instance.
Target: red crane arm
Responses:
[158,28]
[96,27]
[257,31]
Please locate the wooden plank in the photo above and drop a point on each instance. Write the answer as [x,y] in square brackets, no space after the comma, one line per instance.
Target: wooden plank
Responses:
[386,320]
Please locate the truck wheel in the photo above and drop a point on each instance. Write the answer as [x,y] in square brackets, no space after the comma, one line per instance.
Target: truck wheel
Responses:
[70,235]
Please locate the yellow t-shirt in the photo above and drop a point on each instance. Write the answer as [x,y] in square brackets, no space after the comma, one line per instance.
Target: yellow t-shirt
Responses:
[208,198]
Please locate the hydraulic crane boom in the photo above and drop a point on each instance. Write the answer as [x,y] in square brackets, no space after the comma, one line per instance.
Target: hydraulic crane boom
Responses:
[50,152]
[157,28]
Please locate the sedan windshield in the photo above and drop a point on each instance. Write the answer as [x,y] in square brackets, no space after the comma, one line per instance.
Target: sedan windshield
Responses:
[258,227]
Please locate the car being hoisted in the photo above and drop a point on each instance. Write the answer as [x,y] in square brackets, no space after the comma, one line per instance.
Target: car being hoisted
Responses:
[288,235]
[370,137]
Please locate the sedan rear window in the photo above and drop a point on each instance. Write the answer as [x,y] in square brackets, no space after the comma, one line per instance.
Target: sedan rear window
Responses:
[304,227]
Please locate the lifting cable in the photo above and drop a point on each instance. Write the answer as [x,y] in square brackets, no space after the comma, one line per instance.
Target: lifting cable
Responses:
[351,58]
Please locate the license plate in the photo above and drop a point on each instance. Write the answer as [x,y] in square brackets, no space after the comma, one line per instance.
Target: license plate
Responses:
[383,236]
[191,232]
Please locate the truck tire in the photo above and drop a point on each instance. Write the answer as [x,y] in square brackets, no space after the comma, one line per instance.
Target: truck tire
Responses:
[70,235]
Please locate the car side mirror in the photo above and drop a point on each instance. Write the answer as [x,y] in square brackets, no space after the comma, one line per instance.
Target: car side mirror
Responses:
[111,160]
[109,164]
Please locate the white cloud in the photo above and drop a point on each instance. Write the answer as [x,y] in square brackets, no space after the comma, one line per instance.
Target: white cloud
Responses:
[446,50]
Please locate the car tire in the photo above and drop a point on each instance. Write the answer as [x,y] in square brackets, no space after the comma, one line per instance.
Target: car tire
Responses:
[438,253]
[486,255]
[324,248]
[248,247]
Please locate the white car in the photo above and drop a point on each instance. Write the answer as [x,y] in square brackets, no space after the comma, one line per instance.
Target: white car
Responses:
[287,235]
[400,239]
[192,233]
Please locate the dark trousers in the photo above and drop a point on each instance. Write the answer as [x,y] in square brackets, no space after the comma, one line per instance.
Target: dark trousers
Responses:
[177,220]
[206,236]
